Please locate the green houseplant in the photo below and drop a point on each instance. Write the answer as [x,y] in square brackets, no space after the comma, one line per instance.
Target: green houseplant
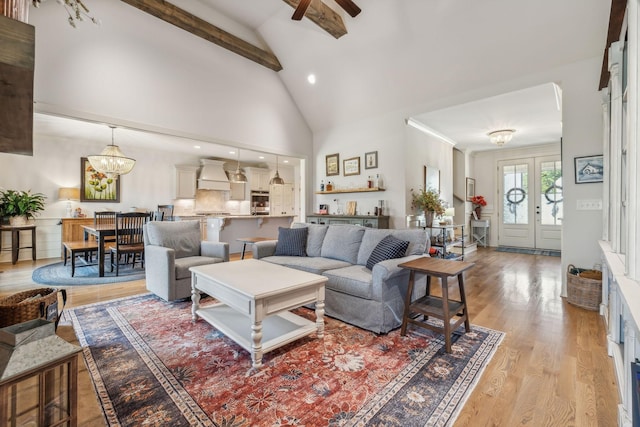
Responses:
[20,206]
[428,201]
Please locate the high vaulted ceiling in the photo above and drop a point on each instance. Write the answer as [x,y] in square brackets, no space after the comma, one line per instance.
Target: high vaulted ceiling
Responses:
[415,55]
[401,54]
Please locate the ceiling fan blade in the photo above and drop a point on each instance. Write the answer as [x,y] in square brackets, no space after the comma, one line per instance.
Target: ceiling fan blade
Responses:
[350,7]
[300,10]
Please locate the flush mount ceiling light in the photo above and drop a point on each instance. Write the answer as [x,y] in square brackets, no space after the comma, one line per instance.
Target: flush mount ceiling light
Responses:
[238,176]
[276,180]
[501,137]
[112,162]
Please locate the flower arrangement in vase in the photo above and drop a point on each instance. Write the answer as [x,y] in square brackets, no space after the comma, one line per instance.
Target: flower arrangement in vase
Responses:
[429,202]
[478,203]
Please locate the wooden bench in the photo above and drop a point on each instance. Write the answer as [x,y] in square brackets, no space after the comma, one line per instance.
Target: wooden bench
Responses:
[86,247]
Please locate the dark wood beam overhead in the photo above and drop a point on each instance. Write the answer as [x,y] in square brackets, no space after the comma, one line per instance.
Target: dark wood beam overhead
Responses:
[616,18]
[199,27]
[323,16]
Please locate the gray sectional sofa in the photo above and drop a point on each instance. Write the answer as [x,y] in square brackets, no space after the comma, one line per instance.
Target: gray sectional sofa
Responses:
[370,299]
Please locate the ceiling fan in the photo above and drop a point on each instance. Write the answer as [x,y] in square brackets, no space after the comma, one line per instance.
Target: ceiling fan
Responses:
[350,7]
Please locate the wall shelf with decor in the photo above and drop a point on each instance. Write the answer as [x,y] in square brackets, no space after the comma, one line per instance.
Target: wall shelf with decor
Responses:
[351,190]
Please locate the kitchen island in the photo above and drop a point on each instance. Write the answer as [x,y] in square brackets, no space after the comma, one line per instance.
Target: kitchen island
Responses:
[230,228]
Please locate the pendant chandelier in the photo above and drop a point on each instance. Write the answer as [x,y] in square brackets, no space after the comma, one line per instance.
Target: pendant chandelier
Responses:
[238,176]
[276,180]
[112,162]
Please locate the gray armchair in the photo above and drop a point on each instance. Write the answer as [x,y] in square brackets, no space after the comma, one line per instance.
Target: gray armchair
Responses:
[170,248]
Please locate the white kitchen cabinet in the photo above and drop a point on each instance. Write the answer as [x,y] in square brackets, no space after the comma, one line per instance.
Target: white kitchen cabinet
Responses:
[186,179]
[281,200]
[258,179]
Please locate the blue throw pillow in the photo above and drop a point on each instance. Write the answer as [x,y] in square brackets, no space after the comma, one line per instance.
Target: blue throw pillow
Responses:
[292,241]
[388,248]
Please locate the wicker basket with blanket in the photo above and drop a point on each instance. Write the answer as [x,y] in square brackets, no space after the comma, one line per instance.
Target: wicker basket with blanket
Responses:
[584,287]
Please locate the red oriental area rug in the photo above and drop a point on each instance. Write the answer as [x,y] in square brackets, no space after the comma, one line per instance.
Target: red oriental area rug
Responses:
[152,366]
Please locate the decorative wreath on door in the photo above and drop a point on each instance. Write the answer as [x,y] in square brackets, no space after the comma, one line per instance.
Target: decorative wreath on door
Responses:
[551,194]
[515,196]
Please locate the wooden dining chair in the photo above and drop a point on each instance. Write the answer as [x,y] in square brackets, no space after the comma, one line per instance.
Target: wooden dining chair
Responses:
[167,211]
[129,243]
[105,218]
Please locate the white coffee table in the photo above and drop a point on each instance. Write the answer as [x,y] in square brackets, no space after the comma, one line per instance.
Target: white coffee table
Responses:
[255,298]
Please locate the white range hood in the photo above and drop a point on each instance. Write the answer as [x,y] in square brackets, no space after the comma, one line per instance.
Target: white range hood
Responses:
[212,176]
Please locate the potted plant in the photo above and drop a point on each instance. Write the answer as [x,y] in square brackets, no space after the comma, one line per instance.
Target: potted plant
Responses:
[20,206]
[428,201]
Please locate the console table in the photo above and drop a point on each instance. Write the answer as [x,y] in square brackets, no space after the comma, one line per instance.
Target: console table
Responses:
[480,231]
[439,307]
[15,240]
[370,221]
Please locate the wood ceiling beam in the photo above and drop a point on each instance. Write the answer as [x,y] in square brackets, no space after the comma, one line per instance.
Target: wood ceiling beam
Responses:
[323,16]
[616,19]
[199,27]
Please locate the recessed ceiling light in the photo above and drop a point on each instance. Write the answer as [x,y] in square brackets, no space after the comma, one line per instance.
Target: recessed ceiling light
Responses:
[261,157]
[232,152]
[311,78]
[197,147]
[285,161]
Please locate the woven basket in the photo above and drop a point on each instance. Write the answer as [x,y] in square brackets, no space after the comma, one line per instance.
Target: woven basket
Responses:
[14,309]
[584,287]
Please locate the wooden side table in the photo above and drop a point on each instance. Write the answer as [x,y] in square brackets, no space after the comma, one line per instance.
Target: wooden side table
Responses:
[439,307]
[38,386]
[15,240]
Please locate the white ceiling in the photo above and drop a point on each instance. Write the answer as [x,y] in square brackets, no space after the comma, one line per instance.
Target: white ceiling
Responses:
[407,54]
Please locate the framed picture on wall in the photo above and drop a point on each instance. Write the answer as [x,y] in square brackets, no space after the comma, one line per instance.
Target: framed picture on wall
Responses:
[589,169]
[352,166]
[333,164]
[96,186]
[371,160]
[431,178]
[471,188]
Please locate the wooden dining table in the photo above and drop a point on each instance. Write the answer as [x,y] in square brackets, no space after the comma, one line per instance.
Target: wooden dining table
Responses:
[99,231]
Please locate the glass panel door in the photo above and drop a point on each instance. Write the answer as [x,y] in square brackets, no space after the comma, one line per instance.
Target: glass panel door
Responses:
[532,203]
[516,228]
[549,205]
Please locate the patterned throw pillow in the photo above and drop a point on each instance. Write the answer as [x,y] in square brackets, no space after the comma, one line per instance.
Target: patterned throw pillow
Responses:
[388,248]
[292,241]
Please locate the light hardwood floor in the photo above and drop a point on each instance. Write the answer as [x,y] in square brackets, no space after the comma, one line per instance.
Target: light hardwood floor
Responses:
[552,368]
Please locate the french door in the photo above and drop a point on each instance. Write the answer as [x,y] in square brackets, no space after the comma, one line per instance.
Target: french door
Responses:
[531,208]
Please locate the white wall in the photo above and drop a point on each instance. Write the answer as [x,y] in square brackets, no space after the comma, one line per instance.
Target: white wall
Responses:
[56,163]
[135,69]
[402,153]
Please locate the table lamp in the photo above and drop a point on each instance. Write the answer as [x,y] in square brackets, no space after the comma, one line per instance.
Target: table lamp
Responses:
[68,194]
[448,215]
